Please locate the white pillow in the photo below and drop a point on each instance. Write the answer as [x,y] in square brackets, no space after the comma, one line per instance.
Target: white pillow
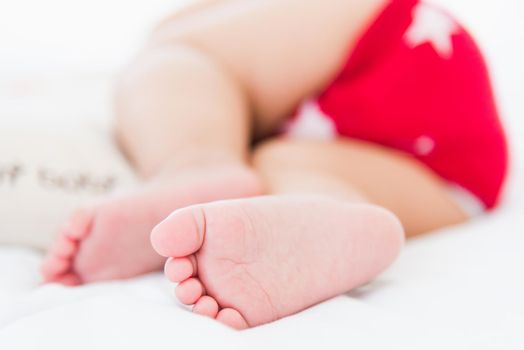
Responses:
[47,172]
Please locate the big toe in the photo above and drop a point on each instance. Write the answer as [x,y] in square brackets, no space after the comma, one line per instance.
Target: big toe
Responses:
[181,234]
[79,224]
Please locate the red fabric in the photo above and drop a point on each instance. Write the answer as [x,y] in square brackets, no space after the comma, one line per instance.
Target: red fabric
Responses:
[394,94]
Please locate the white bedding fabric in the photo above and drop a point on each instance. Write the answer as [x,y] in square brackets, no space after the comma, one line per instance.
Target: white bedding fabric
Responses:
[461,288]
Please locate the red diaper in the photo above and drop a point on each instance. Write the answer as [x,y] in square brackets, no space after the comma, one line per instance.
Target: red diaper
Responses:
[417,82]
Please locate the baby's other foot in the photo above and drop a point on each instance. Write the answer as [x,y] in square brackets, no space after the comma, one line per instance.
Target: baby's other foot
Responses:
[251,261]
[111,241]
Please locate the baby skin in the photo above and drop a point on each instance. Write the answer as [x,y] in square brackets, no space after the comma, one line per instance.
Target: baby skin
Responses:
[111,241]
[252,231]
[253,261]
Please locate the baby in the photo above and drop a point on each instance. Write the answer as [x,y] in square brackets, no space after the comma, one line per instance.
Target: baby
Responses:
[288,148]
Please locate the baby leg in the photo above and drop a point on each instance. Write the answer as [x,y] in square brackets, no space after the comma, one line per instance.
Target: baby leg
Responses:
[237,68]
[188,107]
[369,172]
[321,233]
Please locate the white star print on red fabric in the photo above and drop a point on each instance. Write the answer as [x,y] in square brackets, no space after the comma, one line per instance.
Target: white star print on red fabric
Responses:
[431,25]
[312,123]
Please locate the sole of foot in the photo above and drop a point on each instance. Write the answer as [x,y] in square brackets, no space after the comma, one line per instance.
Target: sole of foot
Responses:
[252,261]
[111,241]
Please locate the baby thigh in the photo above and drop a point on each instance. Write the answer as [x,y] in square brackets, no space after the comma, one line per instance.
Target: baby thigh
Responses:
[360,171]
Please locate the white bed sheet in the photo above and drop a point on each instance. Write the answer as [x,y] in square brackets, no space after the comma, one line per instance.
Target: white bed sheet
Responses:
[459,289]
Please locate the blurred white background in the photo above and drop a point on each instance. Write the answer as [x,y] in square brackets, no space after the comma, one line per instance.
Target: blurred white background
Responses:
[62,34]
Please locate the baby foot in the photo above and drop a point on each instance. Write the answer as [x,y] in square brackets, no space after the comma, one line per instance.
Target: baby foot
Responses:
[252,261]
[111,240]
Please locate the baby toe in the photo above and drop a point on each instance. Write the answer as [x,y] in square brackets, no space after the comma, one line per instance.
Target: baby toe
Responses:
[189,291]
[180,269]
[206,306]
[69,279]
[232,318]
[53,266]
[64,247]
[79,225]
[181,234]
